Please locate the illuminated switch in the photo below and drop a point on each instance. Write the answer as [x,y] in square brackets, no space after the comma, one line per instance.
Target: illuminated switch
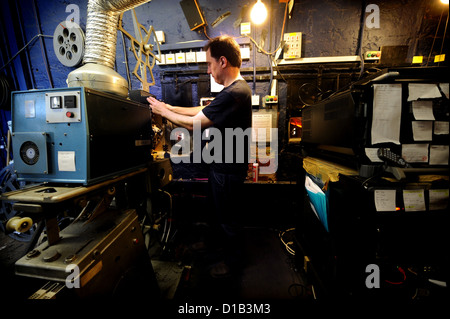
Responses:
[70,115]
[180,57]
[55,102]
[170,58]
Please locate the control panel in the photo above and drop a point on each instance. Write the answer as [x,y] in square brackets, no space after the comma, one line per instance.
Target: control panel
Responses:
[62,107]
[372,55]
[270,100]
[293,45]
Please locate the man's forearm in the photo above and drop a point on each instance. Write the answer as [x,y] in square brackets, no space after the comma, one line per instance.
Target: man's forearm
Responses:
[179,119]
[188,111]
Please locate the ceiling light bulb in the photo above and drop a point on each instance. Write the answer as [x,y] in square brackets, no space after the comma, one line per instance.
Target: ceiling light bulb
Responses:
[444,1]
[258,13]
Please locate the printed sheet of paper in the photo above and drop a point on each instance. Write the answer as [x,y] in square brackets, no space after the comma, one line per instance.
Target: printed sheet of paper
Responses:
[372,154]
[261,127]
[439,154]
[422,91]
[422,130]
[441,127]
[438,199]
[387,109]
[415,153]
[414,200]
[423,110]
[385,200]
[66,161]
[444,88]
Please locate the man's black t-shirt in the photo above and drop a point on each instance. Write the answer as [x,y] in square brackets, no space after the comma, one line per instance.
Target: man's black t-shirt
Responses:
[231,109]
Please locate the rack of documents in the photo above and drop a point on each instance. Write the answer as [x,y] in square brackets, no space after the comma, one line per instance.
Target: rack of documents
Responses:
[404,110]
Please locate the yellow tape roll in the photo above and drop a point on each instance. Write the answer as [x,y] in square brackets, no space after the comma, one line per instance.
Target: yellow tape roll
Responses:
[19,224]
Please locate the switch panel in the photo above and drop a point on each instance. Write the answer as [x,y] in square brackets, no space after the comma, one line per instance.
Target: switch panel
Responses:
[372,55]
[293,45]
[62,107]
[270,100]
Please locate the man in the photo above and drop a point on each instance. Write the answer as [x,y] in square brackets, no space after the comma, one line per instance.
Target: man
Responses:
[231,108]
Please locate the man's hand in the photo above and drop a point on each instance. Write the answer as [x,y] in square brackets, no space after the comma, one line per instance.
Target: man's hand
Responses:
[158,107]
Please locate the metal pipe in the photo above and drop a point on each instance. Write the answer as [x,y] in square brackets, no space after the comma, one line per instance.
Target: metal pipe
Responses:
[101,29]
[100,47]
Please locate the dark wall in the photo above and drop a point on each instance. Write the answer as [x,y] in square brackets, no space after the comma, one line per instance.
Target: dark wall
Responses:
[330,28]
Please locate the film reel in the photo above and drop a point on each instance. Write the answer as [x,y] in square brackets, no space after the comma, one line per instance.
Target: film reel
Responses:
[68,43]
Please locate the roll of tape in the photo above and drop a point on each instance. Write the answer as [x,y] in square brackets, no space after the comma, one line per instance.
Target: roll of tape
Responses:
[19,224]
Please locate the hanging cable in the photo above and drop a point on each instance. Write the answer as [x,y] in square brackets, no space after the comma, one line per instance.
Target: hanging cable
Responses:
[18,52]
[125,56]
[204,31]
[434,38]
[281,38]
[42,44]
[443,37]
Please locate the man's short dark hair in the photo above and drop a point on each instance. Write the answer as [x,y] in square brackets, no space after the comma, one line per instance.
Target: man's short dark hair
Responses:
[226,46]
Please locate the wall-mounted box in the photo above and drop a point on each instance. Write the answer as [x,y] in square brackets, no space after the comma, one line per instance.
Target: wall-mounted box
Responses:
[245,53]
[191,57]
[245,28]
[162,57]
[160,37]
[200,56]
[170,58]
[293,46]
[180,57]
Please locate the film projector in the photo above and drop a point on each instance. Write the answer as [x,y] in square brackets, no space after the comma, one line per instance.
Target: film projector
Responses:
[84,153]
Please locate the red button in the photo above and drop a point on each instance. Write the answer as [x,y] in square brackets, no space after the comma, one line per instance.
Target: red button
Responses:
[70,114]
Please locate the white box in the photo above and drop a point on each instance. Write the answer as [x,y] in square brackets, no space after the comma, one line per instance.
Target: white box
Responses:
[255,100]
[162,58]
[245,28]
[180,57]
[170,58]
[191,57]
[245,53]
[201,56]
[160,36]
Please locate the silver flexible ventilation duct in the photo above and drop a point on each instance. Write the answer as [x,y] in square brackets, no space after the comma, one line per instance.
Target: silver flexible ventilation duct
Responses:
[100,47]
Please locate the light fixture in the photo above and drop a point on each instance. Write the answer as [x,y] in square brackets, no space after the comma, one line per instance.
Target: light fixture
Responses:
[258,13]
[444,1]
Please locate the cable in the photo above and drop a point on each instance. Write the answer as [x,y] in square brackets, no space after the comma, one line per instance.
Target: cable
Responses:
[42,44]
[400,269]
[443,37]
[18,52]
[204,31]
[281,38]
[435,35]
[288,248]
[125,56]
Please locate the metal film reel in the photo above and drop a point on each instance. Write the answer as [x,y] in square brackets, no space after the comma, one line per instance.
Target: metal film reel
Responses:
[68,43]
